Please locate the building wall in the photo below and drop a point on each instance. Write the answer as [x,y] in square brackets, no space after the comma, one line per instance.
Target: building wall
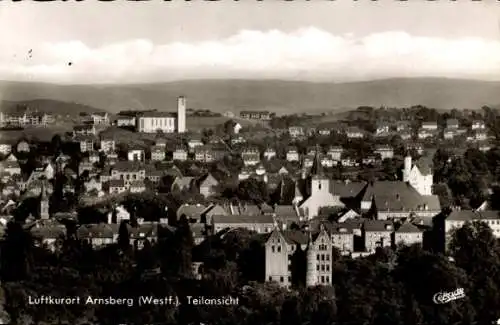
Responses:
[278,260]
[343,242]
[148,124]
[408,238]
[373,238]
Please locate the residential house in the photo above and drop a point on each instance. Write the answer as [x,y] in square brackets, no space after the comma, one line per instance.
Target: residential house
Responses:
[180,154]
[449,133]
[478,125]
[128,171]
[257,115]
[408,234]
[292,154]
[342,237]
[23,146]
[125,121]
[183,183]
[382,129]
[86,142]
[194,142]
[50,235]
[385,151]
[431,126]
[296,131]
[452,124]
[107,144]
[193,212]
[135,153]
[100,118]
[377,233]
[480,135]
[403,126]
[208,185]
[116,186]
[5,147]
[137,186]
[158,153]
[97,235]
[335,152]
[354,133]
[259,223]
[250,156]
[269,153]
[204,154]
[85,130]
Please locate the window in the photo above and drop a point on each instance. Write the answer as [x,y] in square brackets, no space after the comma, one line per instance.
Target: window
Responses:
[327,279]
[270,278]
[282,279]
[327,257]
[327,267]
[317,267]
[289,279]
[317,257]
[279,249]
[322,257]
[322,267]
[272,248]
[322,279]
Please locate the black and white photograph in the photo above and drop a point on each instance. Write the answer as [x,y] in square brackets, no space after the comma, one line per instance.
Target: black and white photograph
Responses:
[250,162]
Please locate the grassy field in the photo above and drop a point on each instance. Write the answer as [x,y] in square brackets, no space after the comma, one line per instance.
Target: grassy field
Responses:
[196,124]
[41,133]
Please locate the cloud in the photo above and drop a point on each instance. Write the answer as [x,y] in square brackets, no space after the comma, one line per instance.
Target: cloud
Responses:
[308,53]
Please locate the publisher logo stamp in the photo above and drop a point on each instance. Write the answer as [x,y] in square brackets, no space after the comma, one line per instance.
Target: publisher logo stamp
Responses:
[446,297]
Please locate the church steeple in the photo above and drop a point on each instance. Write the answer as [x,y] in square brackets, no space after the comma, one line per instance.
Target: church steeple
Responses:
[44,203]
[317,168]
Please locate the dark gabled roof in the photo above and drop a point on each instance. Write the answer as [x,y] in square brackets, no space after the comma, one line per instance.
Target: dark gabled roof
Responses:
[378,225]
[116,183]
[346,189]
[471,215]
[191,210]
[296,237]
[158,114]
[239,219]
[95,231]
[285,210]
[408,228]
[128,166]
[399,196]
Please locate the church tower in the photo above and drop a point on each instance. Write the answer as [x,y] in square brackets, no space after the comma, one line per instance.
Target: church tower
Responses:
[319,181]
[44,204]
[181,114]
[407,168]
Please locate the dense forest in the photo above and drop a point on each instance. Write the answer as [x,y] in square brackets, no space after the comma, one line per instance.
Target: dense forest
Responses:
[389,287]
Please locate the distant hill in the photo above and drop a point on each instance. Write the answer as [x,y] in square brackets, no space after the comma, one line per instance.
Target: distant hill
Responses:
[47,105]
[274,95]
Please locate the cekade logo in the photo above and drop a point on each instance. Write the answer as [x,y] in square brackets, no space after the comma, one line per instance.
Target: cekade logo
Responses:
[445,297]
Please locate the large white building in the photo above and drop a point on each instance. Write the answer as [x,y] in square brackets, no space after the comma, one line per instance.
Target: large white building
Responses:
[420,179]
[166,122]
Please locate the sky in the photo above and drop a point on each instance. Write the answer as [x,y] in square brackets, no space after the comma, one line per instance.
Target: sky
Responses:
[338,41]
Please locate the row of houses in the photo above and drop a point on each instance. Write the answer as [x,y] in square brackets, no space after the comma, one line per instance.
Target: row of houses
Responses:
[427,130]
[26,118]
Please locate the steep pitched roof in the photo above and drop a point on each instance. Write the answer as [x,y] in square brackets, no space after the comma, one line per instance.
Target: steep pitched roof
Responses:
[238,219]
[408,228]
[399,196]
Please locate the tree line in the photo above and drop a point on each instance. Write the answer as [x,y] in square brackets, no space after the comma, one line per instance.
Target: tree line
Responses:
[389,287]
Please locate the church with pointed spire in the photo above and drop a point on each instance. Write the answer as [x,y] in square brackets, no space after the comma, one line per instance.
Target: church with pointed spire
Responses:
[316,192]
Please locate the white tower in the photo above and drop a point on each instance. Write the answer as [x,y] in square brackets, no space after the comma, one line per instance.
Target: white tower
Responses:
[181,114]
[407,169]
